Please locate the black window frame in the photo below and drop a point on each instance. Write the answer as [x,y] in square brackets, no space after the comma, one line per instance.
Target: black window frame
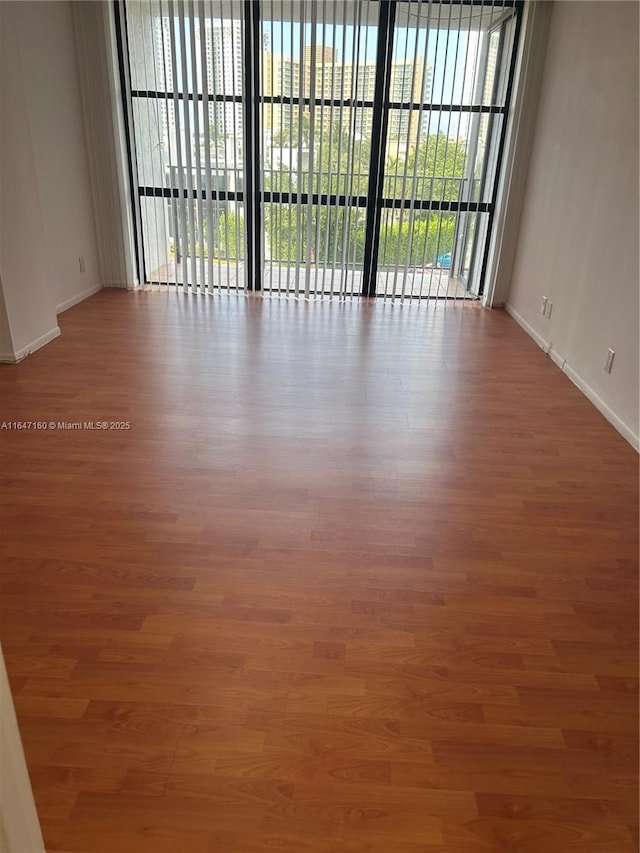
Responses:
[253,195]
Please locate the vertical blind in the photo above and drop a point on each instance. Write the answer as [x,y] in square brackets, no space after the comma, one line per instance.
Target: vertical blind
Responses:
[186,85]
[317,147]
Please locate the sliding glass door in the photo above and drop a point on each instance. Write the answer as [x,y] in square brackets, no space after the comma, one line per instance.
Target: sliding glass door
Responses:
[318,75]
[185,64]
[446,101]
[317,147]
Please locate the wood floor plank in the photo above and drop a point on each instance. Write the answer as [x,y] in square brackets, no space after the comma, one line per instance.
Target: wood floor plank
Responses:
[355,580]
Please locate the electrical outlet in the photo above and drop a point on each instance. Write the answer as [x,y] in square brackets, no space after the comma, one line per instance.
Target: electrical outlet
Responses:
[543,306]
[549,309]
[81,263]
[609,362]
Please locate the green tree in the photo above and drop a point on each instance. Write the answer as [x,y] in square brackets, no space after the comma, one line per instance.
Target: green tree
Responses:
[341,165]
[439,164]
[434,172]
[419,241]
[340,168]
[229,241]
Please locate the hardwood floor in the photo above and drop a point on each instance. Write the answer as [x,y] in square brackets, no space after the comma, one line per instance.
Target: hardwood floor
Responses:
[359,577]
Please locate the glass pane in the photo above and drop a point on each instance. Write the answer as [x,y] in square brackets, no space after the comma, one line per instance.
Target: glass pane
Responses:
[316,142]
[424,166]
[446,59]
[319,248]
[185,243]
[325,155]
[471,241]
[187,70]
[416,254]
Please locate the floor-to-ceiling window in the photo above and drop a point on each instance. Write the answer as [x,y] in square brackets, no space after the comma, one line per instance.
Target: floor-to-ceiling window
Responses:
[318,85]
[319,146]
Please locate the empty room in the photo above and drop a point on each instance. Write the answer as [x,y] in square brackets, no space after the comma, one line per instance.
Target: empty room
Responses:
[319,426]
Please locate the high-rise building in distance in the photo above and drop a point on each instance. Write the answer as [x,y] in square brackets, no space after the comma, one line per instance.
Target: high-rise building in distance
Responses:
[324,77]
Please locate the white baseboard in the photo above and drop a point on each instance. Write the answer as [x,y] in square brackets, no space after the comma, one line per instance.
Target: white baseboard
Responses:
[79,297]
[528,329]
[555,357]
[23,352]
[623,428]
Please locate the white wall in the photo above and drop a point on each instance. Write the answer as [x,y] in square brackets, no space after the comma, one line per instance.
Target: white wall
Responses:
[6,344]
[46,207]
[104,122]
[51,78]
[28,294]
[578,235]
[19,827]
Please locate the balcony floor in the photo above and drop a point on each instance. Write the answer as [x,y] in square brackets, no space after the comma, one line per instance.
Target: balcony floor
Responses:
[425,283]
